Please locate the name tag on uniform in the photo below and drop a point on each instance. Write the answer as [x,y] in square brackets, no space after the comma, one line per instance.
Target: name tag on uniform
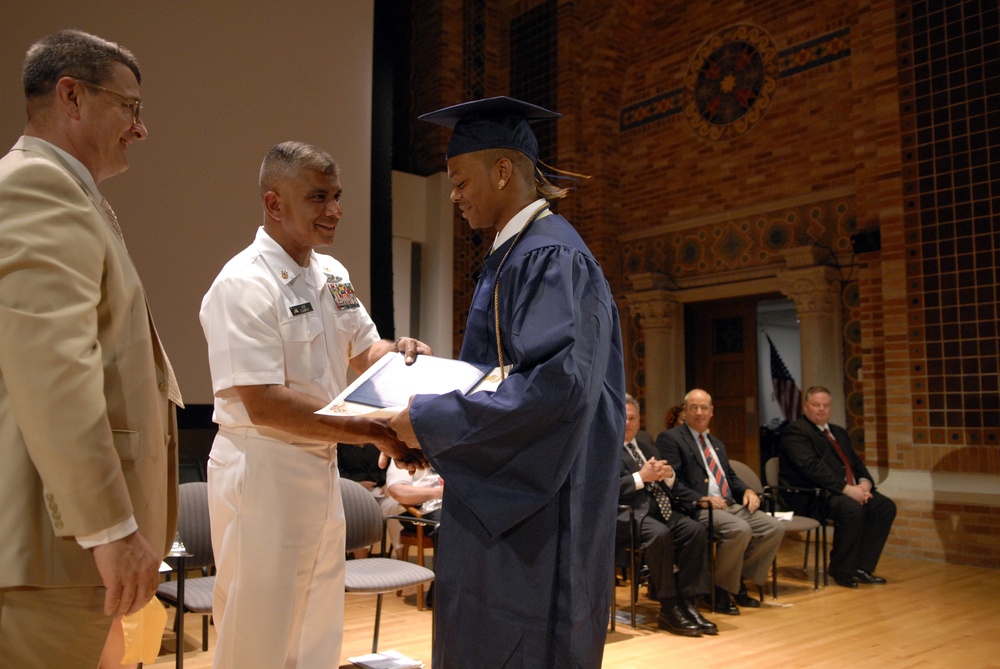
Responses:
[300,309]
[343,295]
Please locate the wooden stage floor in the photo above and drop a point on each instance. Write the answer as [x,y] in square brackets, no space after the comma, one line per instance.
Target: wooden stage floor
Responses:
[929,615]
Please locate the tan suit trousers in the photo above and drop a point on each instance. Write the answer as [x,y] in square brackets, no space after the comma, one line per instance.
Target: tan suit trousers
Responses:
[32,637]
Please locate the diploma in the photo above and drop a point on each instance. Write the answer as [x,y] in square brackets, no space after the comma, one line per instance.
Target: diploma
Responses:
[386,387]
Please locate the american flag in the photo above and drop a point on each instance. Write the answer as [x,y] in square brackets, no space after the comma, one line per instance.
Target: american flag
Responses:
[786,393]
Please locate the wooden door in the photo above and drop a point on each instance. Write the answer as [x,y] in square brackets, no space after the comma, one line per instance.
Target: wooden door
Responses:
[721,353]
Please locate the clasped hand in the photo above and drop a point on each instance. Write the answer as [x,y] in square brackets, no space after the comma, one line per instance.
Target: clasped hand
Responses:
[655,470]
[858,493]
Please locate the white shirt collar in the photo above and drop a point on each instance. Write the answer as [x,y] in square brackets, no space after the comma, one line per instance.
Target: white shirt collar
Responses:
[282,264]
[79,169]
[515,224]
[695,433]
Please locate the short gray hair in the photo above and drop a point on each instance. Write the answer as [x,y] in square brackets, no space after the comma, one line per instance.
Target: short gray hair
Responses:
[289,159]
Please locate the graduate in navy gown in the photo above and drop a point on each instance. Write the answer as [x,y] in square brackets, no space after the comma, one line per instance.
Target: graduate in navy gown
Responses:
[526,541]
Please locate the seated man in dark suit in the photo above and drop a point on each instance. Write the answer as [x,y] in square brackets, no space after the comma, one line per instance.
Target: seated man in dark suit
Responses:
[815,454]
[748,538]
[668,536]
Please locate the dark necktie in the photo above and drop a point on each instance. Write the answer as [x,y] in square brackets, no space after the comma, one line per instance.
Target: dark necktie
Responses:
[843,456]
[714,468]
[655,487]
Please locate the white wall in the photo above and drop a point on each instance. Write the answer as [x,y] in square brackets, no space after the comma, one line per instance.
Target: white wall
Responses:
[223,81]
[776,319]
[422,213]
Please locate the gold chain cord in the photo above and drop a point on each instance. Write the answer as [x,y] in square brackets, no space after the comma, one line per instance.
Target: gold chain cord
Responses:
[496,286]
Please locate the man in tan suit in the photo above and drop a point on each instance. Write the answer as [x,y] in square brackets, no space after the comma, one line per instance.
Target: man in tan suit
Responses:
[88,477]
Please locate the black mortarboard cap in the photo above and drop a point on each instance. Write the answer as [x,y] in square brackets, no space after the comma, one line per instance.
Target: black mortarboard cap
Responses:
[493,123]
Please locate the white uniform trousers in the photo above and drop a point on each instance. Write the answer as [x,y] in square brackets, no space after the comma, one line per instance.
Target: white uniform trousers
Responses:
[278,535]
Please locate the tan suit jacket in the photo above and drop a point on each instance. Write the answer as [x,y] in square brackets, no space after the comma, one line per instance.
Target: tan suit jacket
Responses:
[87,434]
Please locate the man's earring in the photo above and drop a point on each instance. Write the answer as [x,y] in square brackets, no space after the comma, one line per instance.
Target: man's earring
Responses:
[503,182]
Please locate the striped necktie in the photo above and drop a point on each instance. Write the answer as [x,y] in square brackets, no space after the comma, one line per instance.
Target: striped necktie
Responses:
[713,466]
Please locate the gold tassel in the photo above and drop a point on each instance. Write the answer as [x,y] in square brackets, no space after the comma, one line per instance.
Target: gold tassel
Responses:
[564,172]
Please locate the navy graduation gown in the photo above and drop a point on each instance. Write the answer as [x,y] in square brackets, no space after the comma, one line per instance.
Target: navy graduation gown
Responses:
[526,544]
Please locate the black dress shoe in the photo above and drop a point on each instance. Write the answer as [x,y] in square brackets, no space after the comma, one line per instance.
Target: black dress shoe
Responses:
[724,603]
[705,625]
[868,578]
[744,599]
[844,581]
[673,618]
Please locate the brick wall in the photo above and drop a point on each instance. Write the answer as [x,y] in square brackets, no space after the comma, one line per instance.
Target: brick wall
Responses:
[957,533]
[854,107]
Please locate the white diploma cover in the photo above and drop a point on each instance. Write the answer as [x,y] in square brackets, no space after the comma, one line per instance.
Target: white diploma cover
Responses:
[386,387]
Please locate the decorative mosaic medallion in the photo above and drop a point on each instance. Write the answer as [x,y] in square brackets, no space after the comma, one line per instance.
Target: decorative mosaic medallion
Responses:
[730,81]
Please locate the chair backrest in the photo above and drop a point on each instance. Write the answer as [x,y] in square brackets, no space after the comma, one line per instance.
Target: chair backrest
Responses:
[362,515]
[748,476]
[771,468]
[193,524]
[772,474]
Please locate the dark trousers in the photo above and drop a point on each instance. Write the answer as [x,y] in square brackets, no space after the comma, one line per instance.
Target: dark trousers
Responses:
[860,532]
[681,541]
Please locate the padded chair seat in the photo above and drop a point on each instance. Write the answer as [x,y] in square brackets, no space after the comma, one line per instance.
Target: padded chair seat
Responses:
[419,532]
[374,575]
[800,524]
[197,593]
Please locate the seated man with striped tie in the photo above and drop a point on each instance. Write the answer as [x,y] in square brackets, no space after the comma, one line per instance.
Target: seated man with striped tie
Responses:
[816,454]
[748,538]
[668,536]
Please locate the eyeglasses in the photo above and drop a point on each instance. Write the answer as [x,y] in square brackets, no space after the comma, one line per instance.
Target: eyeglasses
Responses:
[134,105]
[698,408]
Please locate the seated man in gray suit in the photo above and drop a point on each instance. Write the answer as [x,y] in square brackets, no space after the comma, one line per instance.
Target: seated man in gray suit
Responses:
[748,537]
[668,536]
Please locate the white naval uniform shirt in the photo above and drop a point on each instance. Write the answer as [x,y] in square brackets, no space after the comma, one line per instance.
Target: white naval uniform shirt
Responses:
[268,320]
